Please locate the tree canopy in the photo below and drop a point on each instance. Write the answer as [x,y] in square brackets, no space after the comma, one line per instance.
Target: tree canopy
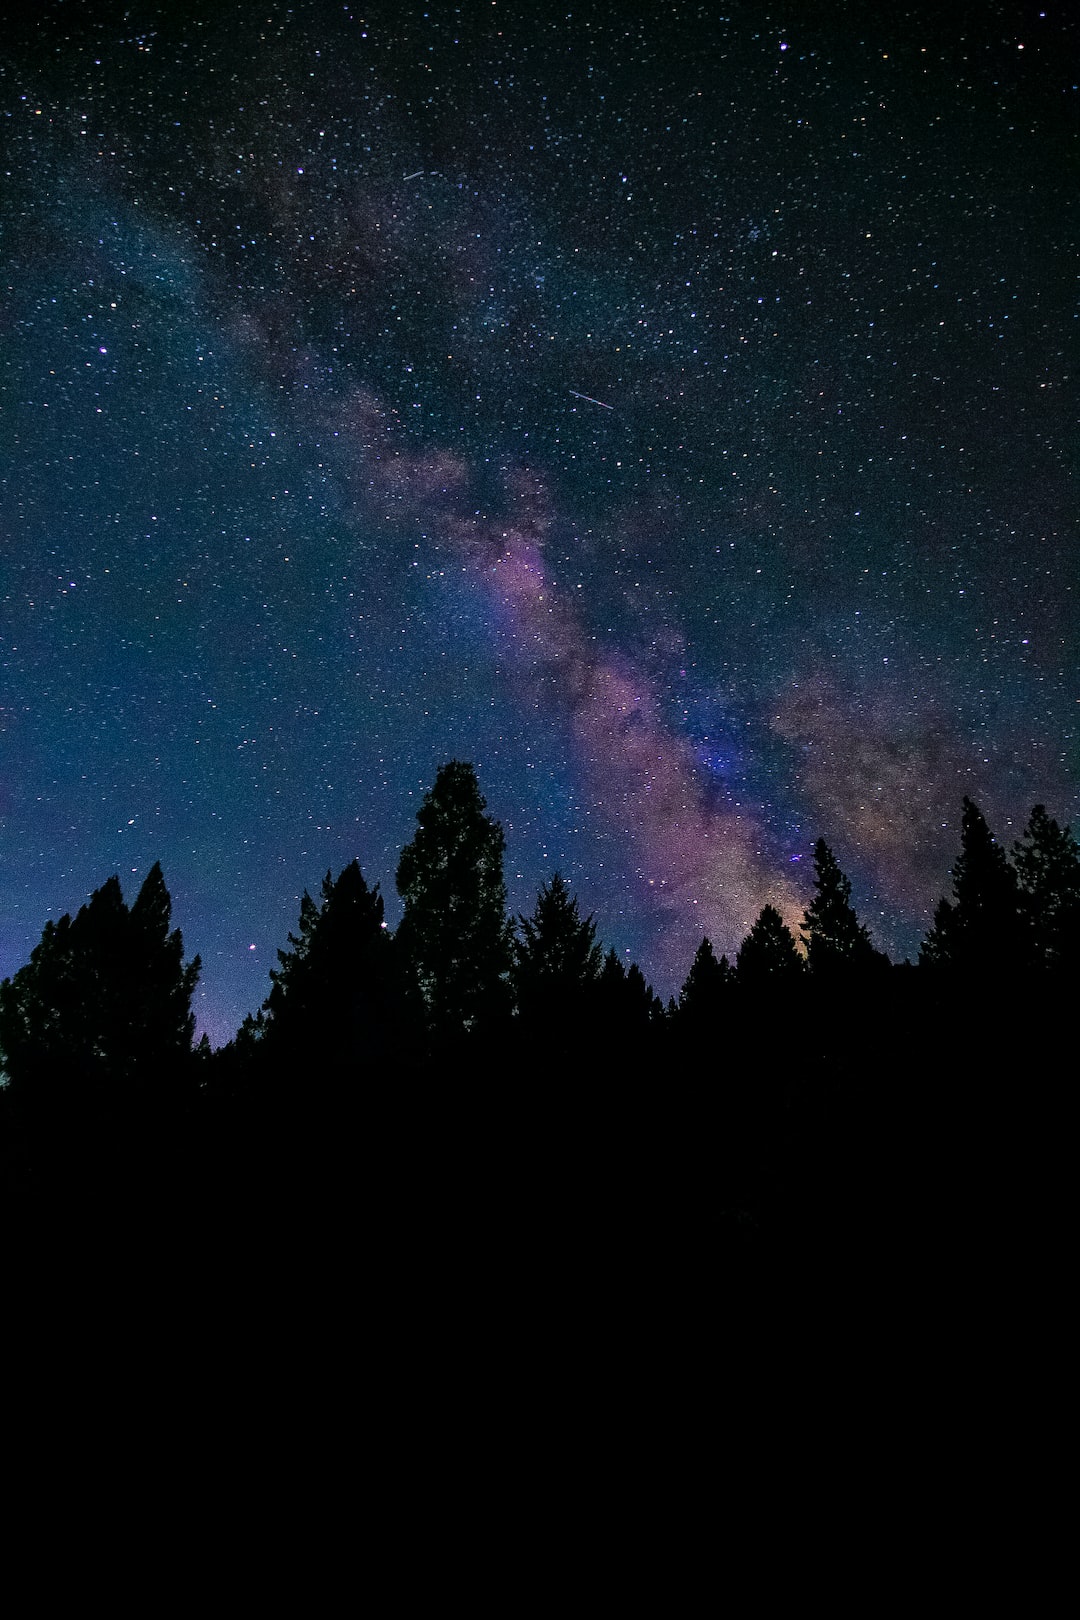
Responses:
[454,931]
[556,959]
[339,995]
[836,942]
[456,1037]
[1047,862]
[105,995]
[769,956]
[980,929]
[705,984]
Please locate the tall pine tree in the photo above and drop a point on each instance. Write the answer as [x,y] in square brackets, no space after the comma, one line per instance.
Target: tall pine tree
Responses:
[164,1025]
[454,931]
[1047,864]
[768,957]
[706,985]
[836,942]
[339,999]
[980,930]
[105,997]
[556,960]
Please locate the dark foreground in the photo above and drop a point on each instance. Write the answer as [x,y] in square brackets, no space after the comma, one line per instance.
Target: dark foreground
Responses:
[886,1149]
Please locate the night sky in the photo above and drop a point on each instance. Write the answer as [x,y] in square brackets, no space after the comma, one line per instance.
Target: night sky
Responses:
[670,409]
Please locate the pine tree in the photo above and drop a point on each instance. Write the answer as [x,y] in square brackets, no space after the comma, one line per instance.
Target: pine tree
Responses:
[339,997]
[43,1026]
[611,983]
[105,997]
[164,1023]
[836,942]
[454,931]
[626,1006]
[643,1006]
[706,984]
[291,970]
[979,931]
[556,961]
[768,957]
[1047,864]
[625,1019]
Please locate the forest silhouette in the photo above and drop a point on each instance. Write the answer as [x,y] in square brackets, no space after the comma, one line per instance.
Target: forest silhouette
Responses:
[808,1101]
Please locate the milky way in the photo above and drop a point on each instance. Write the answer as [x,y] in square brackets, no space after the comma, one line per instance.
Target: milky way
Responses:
[672,415]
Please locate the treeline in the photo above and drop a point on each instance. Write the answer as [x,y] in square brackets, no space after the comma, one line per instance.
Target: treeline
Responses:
[767,1080]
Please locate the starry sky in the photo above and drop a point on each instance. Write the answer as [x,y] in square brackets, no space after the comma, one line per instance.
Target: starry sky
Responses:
[670,409]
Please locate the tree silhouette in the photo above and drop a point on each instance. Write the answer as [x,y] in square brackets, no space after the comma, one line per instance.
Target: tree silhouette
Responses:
[624,1028]
[768,957]
[754,1086]
[105,997]
[980,930]
[454,931]
[556,961]
[836,942]
[163,1022]
[44,1010]
[611,985]
[1047,864]
[643,1005]
[705,986]
[339,996]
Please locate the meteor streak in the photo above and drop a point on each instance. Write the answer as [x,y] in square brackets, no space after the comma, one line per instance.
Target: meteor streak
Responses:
[592,401]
